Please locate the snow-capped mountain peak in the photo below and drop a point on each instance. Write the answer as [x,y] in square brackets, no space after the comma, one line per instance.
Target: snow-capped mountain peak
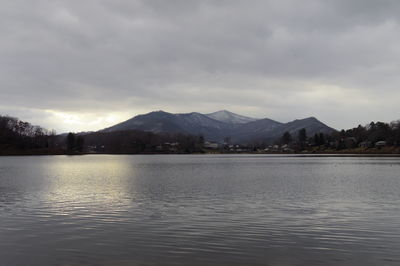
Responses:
[230,118]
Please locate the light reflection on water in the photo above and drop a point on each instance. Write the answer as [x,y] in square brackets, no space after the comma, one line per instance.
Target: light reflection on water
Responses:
[199,210]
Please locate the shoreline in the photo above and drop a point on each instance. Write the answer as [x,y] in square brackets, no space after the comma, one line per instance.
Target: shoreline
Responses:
[345,154]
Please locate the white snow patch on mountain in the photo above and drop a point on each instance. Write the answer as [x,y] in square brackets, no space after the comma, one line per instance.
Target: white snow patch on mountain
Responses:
[230,118]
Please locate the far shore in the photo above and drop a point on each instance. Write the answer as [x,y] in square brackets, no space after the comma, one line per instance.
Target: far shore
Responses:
[278,154]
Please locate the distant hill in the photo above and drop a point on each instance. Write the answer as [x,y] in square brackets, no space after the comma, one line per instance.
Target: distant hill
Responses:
[311,124]
[255,130]
[163,122]
[219,125]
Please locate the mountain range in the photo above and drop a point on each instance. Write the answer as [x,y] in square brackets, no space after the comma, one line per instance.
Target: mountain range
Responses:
[219,125]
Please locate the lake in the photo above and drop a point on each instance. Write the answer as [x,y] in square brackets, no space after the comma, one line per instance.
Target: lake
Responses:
[199,210]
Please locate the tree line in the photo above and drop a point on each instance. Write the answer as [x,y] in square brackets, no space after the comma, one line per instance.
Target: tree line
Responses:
[136,141]
[17,135]
[387,134]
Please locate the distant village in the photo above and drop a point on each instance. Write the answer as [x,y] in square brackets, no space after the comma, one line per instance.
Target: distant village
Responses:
[349,144]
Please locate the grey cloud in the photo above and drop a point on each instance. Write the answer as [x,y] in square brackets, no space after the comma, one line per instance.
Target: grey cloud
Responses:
[263,58]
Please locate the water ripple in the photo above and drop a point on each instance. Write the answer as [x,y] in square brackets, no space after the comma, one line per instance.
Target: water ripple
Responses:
[199,210]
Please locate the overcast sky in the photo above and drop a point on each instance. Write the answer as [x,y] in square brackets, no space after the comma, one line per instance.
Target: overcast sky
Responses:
[84,65]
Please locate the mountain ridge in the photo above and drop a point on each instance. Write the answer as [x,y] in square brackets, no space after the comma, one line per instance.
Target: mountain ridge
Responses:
[219,125]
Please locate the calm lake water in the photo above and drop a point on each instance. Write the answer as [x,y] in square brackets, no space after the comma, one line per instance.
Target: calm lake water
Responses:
[199,210]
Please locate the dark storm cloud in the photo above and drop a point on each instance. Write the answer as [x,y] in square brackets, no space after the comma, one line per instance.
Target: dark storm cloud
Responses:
[76,60]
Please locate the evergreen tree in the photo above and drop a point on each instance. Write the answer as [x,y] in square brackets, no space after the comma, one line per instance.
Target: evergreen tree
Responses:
[286,138]
[321,139]
[302,135]
[79,143]
[316,139]
[71,141]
